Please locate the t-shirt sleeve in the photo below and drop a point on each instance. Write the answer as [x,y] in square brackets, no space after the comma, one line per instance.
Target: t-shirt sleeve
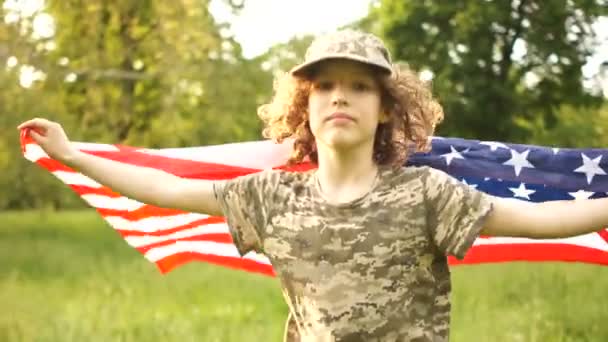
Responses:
[455,212]
[245,203]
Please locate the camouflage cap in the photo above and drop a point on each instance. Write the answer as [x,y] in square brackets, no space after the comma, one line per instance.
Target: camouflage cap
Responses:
[347,44]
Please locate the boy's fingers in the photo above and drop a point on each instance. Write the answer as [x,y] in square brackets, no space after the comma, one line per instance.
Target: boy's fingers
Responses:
[38,129]
[36,136]
[26,124]
[35,122]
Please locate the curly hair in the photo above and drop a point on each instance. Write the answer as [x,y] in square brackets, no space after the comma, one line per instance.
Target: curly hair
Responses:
[413,115]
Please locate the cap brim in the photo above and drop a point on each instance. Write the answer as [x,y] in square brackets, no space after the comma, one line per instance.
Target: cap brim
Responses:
[304,68]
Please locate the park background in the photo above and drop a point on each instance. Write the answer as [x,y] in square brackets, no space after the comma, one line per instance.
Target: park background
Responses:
[188,73]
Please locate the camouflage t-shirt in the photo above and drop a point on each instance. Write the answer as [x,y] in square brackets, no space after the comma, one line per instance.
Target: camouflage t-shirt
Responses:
[373,269]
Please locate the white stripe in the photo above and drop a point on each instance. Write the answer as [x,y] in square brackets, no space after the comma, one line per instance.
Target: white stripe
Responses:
[84,146]
[33,152]
[254,154]
[202,247]
[118,203]
[141,241]
[75,178]
[153,223]
[588,240]
[259,258]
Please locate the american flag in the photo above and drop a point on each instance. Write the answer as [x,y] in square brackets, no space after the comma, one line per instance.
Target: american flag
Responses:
[170,238]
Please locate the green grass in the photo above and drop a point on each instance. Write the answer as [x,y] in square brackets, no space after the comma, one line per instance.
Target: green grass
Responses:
[69,277]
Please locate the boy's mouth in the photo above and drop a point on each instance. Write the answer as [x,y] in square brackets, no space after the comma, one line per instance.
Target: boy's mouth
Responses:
[340,116]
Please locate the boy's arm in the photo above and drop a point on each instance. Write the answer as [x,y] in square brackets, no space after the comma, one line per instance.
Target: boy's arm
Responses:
[143,184]
[148,185]
[546,220]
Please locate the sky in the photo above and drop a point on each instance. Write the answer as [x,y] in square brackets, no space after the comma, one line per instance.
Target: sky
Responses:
[263,23]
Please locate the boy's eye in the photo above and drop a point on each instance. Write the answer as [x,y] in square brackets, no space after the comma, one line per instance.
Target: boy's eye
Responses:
[361,86]
[324,85]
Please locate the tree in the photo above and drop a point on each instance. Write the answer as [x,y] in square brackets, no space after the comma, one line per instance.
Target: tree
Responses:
[574,127]
[142,73]
[282,57]
[21,184]
[494,61]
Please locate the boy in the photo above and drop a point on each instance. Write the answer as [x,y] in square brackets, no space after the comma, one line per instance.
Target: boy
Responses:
[359,244]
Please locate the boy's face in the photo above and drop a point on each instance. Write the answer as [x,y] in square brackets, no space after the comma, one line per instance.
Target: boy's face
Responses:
[344,104]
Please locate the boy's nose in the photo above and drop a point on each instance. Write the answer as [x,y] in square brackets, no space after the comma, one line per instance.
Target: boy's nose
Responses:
[338,96]
[339,102]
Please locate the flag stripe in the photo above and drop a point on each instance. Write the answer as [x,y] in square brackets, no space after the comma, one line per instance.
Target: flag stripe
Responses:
[593,241]
[86,190]
[117,203]
[73,178]
[198,231]
[153,224]
[142,212]
[209,221]
[172,261]
[532,252]
[202,247]
[217,238]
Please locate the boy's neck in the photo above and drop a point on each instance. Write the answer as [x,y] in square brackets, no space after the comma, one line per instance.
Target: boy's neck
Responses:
[346,174]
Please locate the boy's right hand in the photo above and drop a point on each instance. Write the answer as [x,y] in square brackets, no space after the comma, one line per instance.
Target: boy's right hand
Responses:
[51,138]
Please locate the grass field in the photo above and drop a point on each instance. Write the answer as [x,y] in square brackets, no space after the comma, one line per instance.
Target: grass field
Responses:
[69,277]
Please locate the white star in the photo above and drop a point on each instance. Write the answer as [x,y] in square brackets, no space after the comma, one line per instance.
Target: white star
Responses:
[454,154]
[494,145]
[486,178]
[519,161]
[590,167]
[474,186]
[581,194]
[522,192]
[555,150]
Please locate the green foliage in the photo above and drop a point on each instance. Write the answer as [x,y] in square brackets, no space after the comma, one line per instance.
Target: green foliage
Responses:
[150,73]
[282,57]
[574,127]
[141,73]
[165,74]
[69,277]
[494,60]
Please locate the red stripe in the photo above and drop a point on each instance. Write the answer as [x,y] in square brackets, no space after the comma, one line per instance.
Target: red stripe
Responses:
[167,264]
[532,252]
[477,255]
[143,212]
[52,165]
[604,234]
[179,167]
[25,139]
[176,166]
[87,190]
